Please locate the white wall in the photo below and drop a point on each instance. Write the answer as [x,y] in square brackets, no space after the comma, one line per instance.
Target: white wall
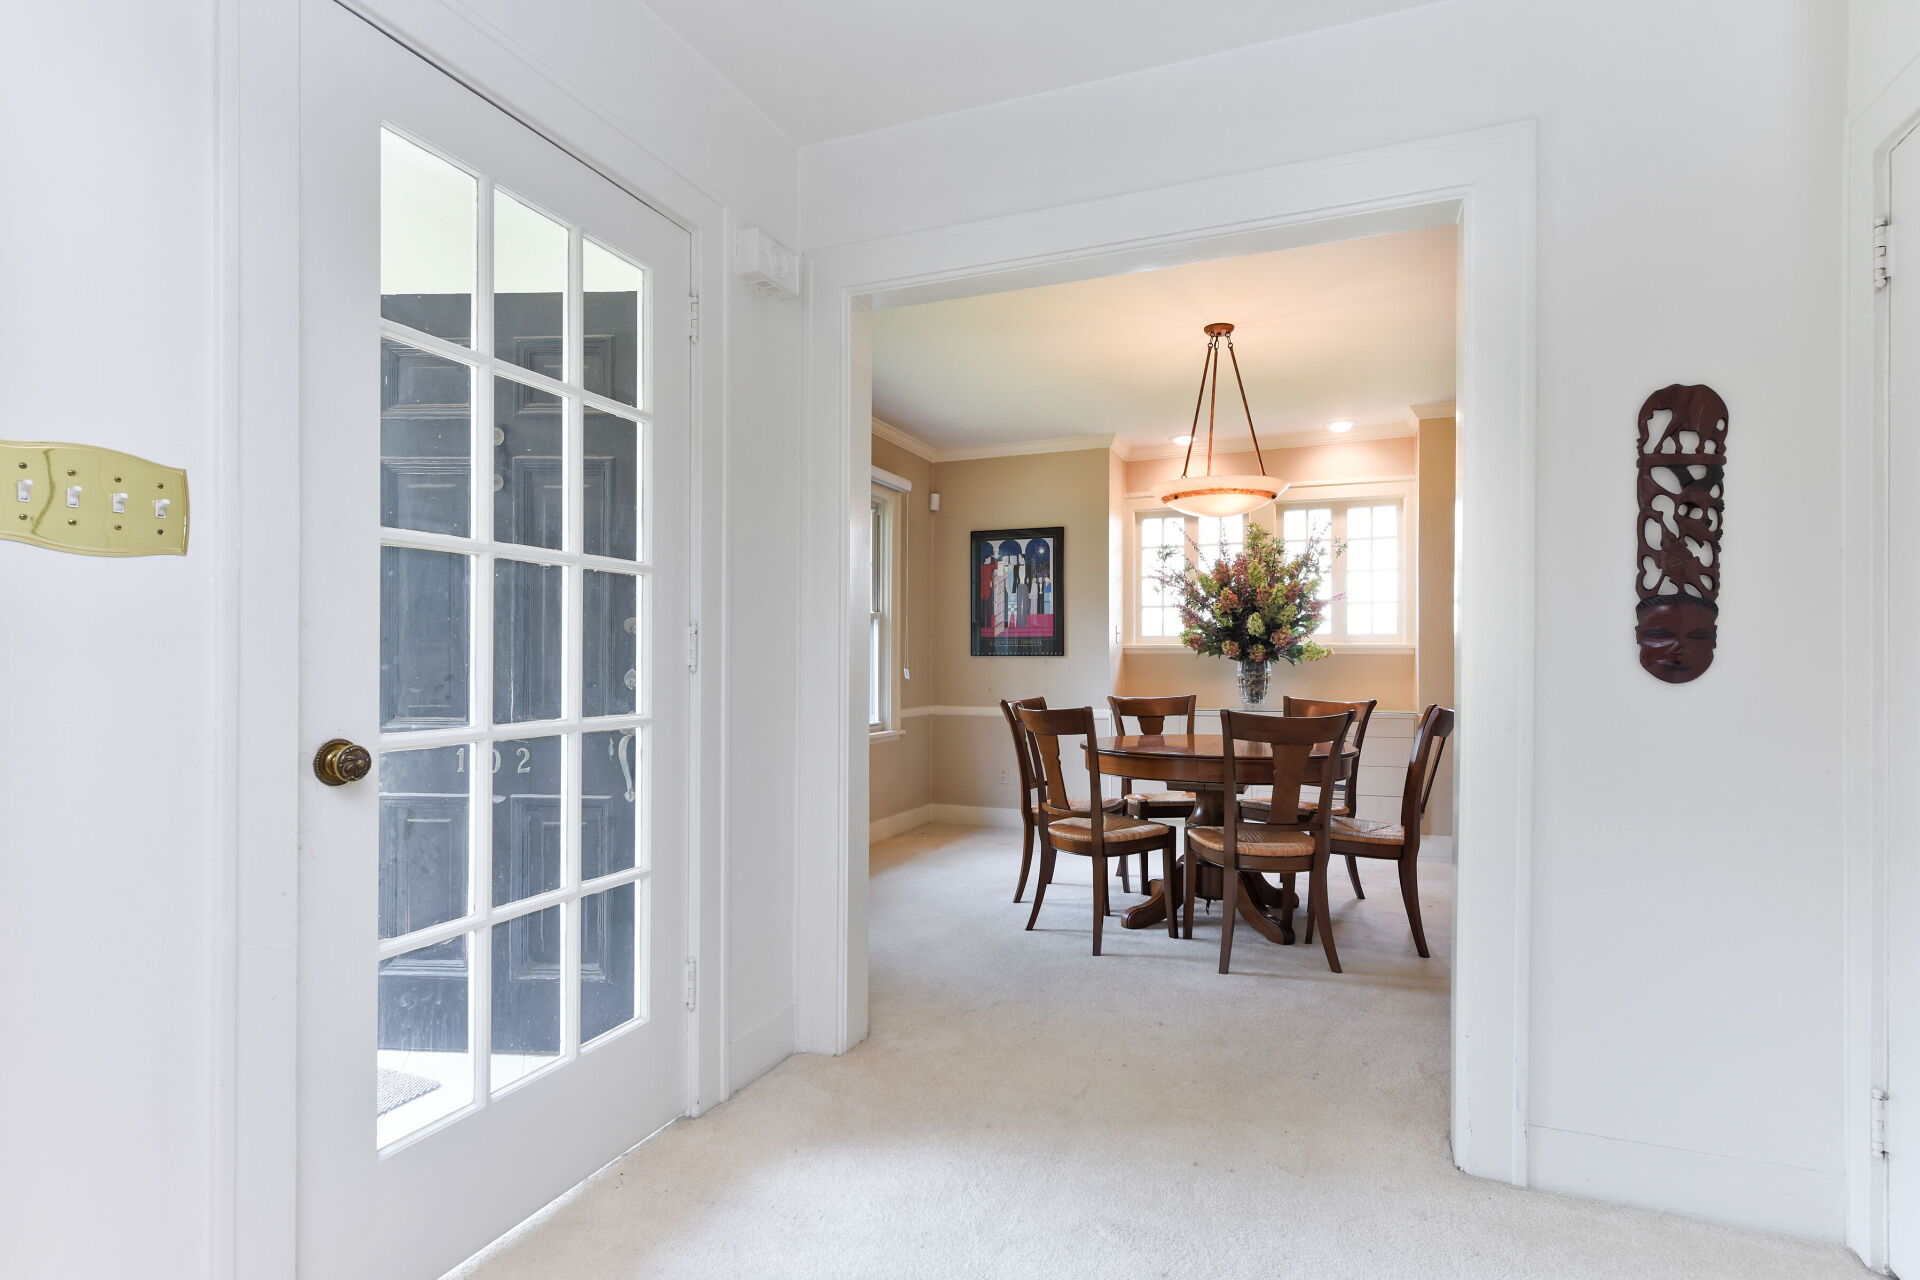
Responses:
[109,771]
[114,969]
[1685,1046]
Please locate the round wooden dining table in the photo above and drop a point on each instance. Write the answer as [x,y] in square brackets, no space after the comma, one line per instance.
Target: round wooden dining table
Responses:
[1197,762]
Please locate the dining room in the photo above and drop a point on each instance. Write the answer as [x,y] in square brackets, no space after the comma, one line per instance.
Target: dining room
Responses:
[1043,533]
[1161,681]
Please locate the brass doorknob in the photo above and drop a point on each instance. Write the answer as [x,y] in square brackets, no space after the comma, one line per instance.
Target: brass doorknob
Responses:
[339,762]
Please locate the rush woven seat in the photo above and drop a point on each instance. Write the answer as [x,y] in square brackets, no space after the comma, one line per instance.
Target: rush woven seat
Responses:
[1132,798]
[1075,835]
[1366,831]
[1076,805]
[1255,839]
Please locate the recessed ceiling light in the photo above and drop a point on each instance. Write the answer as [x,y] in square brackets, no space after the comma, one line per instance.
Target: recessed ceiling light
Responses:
[1181,439]
[1342,425]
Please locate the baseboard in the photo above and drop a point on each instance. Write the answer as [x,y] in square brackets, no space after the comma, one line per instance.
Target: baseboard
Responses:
[906,820]
[753,1053]
[1436,848]
[973,815]
[1778,1198]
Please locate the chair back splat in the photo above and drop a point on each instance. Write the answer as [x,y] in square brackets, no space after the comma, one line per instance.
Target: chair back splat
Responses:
[1290,741]
[1356,736]
[1153,713]
[1044,729]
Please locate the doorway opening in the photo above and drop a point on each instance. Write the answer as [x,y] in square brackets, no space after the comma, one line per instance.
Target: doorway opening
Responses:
[1018,549]
[1481,183]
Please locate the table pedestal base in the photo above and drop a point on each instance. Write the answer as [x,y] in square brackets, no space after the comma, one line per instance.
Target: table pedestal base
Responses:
[1257,899]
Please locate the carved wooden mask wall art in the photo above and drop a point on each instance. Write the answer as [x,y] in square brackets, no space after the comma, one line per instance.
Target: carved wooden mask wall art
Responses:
[1682,491]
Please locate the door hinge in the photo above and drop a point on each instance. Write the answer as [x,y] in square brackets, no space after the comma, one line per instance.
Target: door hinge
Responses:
[693,647]
[1880,1122]
[1880,259]
[693,984]
[693,317]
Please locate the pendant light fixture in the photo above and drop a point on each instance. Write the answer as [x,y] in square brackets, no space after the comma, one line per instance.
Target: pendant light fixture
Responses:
[1208,494]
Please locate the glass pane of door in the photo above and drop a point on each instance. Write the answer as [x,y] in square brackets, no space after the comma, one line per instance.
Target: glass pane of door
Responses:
[513,897]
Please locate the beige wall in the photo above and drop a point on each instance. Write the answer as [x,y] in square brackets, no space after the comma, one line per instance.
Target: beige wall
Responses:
[961,755]
[1333,462]
[1043,489]
[899,769]
[1346,677]
[1434,627]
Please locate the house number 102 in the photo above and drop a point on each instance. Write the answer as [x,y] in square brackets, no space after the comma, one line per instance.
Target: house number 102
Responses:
[523,760]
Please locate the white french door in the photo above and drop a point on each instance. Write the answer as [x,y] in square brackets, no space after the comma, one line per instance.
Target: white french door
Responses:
[495,517]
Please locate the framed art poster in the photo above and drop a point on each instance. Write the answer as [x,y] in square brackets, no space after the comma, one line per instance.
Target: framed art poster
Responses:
[1019,600]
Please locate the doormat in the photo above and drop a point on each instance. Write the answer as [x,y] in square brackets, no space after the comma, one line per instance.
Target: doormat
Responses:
[397,1088]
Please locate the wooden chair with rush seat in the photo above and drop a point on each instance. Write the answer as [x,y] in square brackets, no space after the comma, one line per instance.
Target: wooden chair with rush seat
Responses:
[1400,841]
[1150,715]
[1095,832]
[1286,848]
[1032,788]
[1346,795]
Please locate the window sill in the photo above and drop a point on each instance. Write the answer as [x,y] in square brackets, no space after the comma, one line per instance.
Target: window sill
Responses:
[885,735]
[1338,646]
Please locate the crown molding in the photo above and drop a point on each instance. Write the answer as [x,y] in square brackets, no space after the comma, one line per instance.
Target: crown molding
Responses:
[1059,444]
[1429,412]
[1141,453]
[1289,440]
[920,448]
[911,443]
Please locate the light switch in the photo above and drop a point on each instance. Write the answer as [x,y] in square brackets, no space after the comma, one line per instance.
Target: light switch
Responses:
[51,483]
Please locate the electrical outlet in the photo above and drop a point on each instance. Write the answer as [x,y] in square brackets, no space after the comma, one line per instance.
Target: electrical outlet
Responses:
[1003,778]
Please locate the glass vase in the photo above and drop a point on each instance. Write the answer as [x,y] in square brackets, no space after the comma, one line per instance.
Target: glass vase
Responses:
[1253,684]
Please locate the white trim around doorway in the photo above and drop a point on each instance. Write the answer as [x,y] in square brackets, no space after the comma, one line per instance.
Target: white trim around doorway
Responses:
[1485,180]
[1872,131]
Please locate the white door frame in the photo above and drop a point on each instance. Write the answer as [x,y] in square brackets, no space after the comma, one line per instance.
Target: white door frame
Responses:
[1488,175]
[256,885]
[1871,133]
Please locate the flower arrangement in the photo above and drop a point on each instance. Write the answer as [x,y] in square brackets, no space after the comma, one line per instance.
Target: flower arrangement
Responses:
[1259,606]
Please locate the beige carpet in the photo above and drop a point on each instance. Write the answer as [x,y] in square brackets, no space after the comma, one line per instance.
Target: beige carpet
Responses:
[1023,1109]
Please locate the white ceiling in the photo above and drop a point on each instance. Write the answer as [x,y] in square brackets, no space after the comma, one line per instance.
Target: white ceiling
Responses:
[828,68]
[1357,330]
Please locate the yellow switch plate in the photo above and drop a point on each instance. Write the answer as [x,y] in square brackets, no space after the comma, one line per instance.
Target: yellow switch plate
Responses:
[91,501]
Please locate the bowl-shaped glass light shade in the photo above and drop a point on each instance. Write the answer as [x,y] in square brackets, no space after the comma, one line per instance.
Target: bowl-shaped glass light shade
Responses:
[1219,495]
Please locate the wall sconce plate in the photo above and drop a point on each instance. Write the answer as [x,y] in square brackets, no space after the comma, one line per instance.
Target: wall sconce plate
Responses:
[91,501]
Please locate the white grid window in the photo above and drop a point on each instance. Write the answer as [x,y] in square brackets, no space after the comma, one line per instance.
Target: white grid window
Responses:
[1220,537]
[880,612]
[1297,524]
[1372,571]
[1368,577]
[1186,541]
[1159,614]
